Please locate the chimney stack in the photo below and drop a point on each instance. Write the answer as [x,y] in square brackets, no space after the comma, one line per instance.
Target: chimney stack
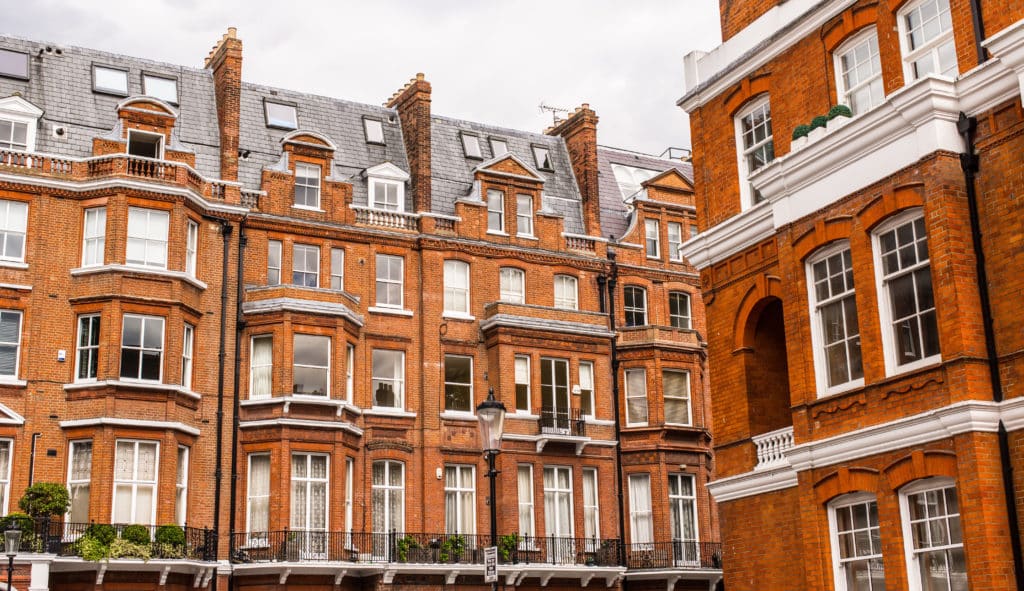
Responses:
[225,59]
[579,131]
[413,104]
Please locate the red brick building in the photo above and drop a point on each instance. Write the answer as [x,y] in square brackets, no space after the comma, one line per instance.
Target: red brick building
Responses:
[268,317]
[862,284]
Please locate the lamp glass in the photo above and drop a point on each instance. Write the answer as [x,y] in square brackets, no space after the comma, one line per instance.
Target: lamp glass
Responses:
[12,541]
[491,416]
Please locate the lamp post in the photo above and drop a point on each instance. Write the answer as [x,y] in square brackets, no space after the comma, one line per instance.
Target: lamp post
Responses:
[491,415]
[12,542]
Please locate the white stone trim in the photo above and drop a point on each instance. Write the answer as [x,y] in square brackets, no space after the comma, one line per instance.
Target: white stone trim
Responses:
[300,305]
[12,417]
[733,235]
[133,423]
[115,267]
[750,484]
[15,108]
[313,424]
[1008,46]
[133,384]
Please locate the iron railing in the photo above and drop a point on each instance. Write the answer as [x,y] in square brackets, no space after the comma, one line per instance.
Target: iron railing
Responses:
[562,422]
[74,539]
[675,554]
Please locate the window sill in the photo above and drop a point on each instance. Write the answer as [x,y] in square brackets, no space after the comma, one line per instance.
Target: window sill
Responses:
[458,316]
[527,237]
[842,389]
[12,381]
[304,208]
[522,416]
[136,384]
[390,311]
[497,233]
[599,422]
[637,425]
[114,268]
[898,370]
[458,415]
[13,265]
[384,411]
[287,401]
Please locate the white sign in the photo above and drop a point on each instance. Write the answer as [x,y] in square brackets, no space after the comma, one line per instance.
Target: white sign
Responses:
[491,564]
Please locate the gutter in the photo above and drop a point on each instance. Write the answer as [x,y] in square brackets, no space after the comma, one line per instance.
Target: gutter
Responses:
[226,230]
[969,163]
[239,329]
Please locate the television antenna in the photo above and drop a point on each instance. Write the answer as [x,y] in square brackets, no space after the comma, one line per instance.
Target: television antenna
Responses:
[554,112]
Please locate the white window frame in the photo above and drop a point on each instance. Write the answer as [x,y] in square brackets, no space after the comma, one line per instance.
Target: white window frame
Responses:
[884,311]
[8,139]
[92,351]
[675,242]
[387,280]
[326,369]
[309,481]
[688,317]
[150,243]
[94,236]
[187,344]
[634,309]
[458,492]
[135,483]
[122,74]
[5,474]
[495,211]
[635,395]
[388,490]
[930,47]
[338,269]
[638,513]
[542,157]
[290,112]
[839,564]
[181,486]
[350,360]
[256,540]
[307,176]
[743,150]
[921,487]
[397,380]
[594,508]
[586,385]
[566,292]
[560,491]
[7,345]
[349,476]
[158,138]
[522,378]
[191,247]
[652,238]
[507,277]
[849,47]
[526,504]
[817,328]
[8,230]
[76,484]
[385,204]
[146,77]
[683,555]
[12,74]
[303,271]
[253,367]
[524,215]
[456,287]
[274,247]
[142,347]
[458,384]
[376,125]
[16,110]
[471,145]
[686,397]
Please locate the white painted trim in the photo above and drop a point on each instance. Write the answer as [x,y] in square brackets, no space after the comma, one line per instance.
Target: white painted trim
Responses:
[817,342]
[19,110]
[913,564]
[750,484]
[1008,46]
[15,286]
[289,138]
[390,311]
[731,236]
[12,417]
[313,424]
[833,531]
[384,411]
[133,384]
[117,267]
[132,423]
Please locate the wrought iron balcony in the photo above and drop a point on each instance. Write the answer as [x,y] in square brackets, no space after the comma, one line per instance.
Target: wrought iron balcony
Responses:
[674,554]
[101,541]
[562,422]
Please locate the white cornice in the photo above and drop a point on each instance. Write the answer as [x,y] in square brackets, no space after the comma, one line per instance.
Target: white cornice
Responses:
[733,235]
[118,268]
[302,423]
[300,305]
[545,324]
[133,423]
[749,484]
[1008,46]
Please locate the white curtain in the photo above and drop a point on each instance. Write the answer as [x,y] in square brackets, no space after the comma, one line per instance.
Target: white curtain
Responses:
[677,397]
[262,367]
[636,396]
[590,508]
[259,493]
[525,482]
[640,508]
[79,481]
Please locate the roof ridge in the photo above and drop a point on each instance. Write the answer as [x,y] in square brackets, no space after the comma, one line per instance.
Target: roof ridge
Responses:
[257,85]
[104,52]
[492,126]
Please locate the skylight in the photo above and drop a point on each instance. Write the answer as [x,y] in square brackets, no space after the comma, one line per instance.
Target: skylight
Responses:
[498,147]
[161,87]
[13,64]
[110,80]
[281,115]
[630,178]
[471,145]
[542,157]
[374,129]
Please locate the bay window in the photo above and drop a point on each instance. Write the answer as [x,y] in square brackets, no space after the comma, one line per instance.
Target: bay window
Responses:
[136,464]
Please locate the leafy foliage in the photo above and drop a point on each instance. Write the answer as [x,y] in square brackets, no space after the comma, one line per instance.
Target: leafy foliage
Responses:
[819,121]
[801,131]
[839,111]
[44,499]
[135,534]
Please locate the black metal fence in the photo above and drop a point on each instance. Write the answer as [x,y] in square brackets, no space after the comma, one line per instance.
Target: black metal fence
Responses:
[562,422]
[675,554]
[96,541]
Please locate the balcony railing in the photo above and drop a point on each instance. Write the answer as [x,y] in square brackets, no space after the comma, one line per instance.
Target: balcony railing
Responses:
[771,448]
[95,541]
[675,554]
[562,422]
[418,548]
[386,219]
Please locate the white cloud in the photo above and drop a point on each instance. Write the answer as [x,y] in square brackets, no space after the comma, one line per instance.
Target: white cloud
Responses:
[488,61]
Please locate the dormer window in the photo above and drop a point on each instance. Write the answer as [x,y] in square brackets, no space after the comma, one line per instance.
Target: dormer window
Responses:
[542,157]
[307,186]
[13,64]
[110,80]
[13,135]
[471,146]
[161,87]
[499,147]
[385,195]
[18,121]
[374,129]
[147,145]
[280,115]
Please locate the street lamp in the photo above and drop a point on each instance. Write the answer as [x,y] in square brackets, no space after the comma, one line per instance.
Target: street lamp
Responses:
[491,415]
[12,541]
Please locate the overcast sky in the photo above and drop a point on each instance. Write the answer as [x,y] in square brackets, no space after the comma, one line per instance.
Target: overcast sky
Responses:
[488,61]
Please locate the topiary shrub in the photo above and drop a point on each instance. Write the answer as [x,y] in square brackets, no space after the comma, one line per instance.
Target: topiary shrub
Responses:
[44,499]
[839,111]
[135,534]
[170,541]
[819,121]
[101,532]
[801,131]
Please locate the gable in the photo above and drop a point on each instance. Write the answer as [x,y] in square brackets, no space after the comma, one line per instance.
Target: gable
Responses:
[509,165]
[670,179]
[17,106]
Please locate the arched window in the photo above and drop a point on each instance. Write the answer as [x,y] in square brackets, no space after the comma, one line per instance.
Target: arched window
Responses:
[856,543]
[634,304]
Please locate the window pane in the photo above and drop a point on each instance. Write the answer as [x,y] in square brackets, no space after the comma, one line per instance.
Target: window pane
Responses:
[165,89]
[110,80]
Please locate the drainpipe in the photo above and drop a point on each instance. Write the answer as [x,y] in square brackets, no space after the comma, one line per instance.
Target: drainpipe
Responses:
[225,230]
[32,459]
[239,329]
[968,126]
[611,282]
[979,32]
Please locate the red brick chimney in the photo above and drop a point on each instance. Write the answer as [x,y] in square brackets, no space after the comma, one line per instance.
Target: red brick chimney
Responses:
[413,104]
[225,60]
[580,133]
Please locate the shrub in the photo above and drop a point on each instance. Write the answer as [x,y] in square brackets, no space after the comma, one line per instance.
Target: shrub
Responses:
[801,131]
[135,534]
[170,535]
[839,110]
[451,549]
[43,499]
[507,544]
[92,549]
[124,548]
[101,532]
[404,545]
[819,121]
[30,542]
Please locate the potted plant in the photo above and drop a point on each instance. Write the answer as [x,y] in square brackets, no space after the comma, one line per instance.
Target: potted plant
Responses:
[799,137]
[403,547]
[508,545]
[170,541]
[838,116]
[817,127]
[451,549]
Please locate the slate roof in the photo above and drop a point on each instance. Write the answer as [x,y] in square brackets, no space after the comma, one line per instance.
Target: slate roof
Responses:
[339,120]
[615,215]
[61,85]
[453,172]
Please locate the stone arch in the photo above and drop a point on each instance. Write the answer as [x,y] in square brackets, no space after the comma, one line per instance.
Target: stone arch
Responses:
[846,480]
[761,340]
[920,464]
